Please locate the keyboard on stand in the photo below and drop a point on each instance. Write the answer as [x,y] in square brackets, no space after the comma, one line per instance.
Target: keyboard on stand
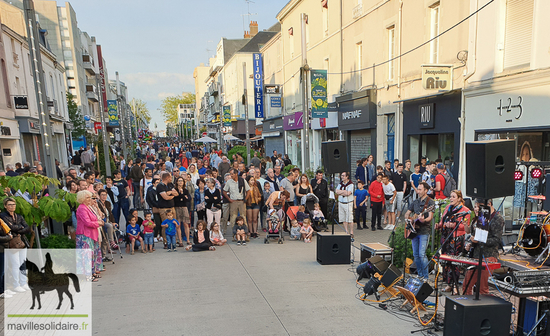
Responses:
[458,260]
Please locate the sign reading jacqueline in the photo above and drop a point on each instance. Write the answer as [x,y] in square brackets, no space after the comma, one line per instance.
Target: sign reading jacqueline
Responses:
[227,115]
[258,69]
[112,109]
[59,301]
[319,104]
[437,77]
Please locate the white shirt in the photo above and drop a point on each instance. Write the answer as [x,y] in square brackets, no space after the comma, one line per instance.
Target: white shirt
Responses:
[349,198]
[388,189]
[145,183]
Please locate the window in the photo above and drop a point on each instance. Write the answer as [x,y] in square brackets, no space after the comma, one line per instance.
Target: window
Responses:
[359,62]
[291,41]
[6,86]
[391,51]
[325,20]
[17,86]
[434,45]
[518,33]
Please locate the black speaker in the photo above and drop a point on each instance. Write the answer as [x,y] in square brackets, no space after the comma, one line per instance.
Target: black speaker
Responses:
[375,264]
[464,316]
[534,309]
[419,288]
[490,167]
[333,249]
[546,192]
[335,156]
[391,274]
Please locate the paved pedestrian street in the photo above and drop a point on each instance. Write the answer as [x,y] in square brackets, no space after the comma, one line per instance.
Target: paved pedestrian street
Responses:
[255,289]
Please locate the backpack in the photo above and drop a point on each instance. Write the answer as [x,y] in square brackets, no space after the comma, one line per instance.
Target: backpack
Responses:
[450,185]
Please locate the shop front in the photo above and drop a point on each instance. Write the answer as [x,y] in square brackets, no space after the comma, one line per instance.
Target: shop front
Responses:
[273,135]
[324,129]
[517,110]
[10,151]
[293,126]
[357,122]
[431,129]
[31,141]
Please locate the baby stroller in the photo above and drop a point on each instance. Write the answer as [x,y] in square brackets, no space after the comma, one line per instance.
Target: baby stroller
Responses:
[309,201]
[279,234]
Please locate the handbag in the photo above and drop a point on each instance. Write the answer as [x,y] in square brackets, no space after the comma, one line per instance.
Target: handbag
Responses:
[17,243]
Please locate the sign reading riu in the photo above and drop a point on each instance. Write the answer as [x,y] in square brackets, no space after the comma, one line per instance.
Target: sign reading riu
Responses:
[437,77]
[427,113]
[257,67]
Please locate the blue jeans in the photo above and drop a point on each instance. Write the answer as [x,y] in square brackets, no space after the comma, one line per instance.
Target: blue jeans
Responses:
[419,245]
[137,200]
[123,205]
[171,241]
[149,239]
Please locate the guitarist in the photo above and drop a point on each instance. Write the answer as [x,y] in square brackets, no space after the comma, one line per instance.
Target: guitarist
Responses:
[422,227]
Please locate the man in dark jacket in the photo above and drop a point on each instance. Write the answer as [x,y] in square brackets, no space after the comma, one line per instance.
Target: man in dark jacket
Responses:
[136,174]
[320,189]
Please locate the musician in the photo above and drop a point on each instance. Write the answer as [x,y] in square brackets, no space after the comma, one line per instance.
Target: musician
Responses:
[455,214]
[419,208]
[490,248]
[345,202]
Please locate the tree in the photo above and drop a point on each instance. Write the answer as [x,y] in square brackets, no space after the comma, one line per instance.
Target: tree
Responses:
[141,108]
[79,125]
[169,106]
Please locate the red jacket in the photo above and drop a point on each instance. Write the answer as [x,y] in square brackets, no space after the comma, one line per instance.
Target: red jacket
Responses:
[376,190]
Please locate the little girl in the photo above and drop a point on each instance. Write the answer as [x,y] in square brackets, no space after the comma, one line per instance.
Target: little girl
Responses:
[216,237]
[148,227]
[317,213]
[306,231]
[301,214]
[273,221]
[240,230]
[295,230]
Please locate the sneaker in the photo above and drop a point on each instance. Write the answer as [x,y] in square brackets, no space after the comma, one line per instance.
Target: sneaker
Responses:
[169,250]
[243,243]
[276,231]
[5,296]
[9,292]
[239,243]
[19,289]
[264,230]
[174,250]
[270,231]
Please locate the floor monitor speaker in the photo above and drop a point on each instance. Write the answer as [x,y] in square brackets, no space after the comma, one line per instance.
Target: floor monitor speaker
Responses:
[333,248]
[419,288]
[391,274]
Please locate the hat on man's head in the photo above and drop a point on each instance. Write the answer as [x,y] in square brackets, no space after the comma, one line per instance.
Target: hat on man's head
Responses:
[440,166]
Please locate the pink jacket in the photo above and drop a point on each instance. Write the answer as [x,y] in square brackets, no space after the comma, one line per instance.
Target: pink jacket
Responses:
[87,222]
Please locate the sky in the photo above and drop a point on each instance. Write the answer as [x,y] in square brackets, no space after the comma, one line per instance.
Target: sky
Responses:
[155,45]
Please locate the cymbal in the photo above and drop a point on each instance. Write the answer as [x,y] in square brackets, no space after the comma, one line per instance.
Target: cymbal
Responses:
[543,213]
[538,197]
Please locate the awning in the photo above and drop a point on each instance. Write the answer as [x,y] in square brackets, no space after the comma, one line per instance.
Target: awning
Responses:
[256,138]
[271,134]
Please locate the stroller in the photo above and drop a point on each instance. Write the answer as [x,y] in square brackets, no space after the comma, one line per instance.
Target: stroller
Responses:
[309,201]
[276,235]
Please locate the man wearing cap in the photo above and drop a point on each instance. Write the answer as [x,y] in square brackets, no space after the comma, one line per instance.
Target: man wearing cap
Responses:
[440,181]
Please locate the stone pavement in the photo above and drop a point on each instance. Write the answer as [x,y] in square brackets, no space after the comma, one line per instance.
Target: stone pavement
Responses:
[238,290]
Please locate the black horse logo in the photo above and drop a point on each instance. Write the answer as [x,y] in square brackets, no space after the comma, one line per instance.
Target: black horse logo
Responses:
[41,282]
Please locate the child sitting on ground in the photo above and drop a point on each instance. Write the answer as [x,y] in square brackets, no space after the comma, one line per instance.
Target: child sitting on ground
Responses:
[216,236]
[295,230]
[148,228]
[317,213]
[301,214]
[171,226]
[273,222]
[306,231]
[240,230]
[132,230]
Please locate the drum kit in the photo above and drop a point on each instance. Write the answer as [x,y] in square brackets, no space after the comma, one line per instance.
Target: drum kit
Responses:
[534,238]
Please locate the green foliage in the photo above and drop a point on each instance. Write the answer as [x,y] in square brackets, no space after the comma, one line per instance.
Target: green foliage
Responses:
[77,120]
[242,151]
[287,169]
[139,107]
[310,172]
[57,242]
[169,106]
[399,246]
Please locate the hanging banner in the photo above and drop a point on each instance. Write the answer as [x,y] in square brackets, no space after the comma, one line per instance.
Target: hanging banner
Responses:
[112,109]
[227,115]
[319,103]
[258,68]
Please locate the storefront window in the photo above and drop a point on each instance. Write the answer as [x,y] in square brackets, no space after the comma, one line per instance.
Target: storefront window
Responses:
[539,142]
[294,147]
[432,146]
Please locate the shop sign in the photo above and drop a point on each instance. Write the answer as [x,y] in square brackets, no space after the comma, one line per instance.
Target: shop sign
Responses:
[293,122]
[112,109]
[272,89]
[97,125]
[257,67]
[510,108]
[319,103]
[275,101]
[354,114]
[21,102]
[34,126]
[426,115]
[437,77]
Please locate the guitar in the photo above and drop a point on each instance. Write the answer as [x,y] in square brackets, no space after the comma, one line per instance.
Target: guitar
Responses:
[411,225]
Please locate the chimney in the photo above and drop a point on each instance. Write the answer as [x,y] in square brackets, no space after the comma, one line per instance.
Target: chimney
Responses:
[246,34]
[253,28]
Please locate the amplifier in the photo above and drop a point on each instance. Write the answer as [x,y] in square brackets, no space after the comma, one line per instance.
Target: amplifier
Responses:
[488,316]
[534,309]
[419,288]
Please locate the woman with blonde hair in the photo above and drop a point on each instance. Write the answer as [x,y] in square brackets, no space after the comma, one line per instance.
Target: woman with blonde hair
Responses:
[87,235]
[455,214]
